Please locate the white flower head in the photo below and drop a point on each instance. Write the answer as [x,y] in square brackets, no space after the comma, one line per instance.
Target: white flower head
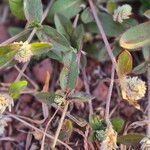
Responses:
[24,54]
[5,101]
[110,142]
[132,88]
[122,12]
[145,143]
[3,123]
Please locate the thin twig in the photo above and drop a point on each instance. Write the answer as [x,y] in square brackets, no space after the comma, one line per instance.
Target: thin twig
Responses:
[101,30]
[148,78]
[60,124]
[37,129]
[43,140]
[109,94]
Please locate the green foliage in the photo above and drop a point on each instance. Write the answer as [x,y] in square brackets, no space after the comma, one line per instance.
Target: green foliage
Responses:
[124,63]
[33,10]
[49,34]
[77,37]
[6,58]
[16,88]
[111,6]
[63,25]
[97,123]
[86,16]
[68,8]
[131,139]
[145,5]
[47,97]
[69,73]
[66,130]
[118,124]
[136,37]
[111,28]
[81,97]
[146,53]
[39,48]
[17,9]
[141,68]
[98,51]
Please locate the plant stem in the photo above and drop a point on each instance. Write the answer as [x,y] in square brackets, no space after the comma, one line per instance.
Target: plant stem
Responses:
[60,124]
[109,94]
[108,48]
[148,78]
[101,30]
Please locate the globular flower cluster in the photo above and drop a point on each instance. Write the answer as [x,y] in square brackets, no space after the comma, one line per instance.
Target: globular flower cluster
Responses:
[24,54]
[145,143]
[132,88]
[122,13]
[110,141]
[5,102]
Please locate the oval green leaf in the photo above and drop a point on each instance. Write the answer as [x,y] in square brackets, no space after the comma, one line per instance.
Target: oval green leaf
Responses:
[16,7]
[136,37]
[124,63]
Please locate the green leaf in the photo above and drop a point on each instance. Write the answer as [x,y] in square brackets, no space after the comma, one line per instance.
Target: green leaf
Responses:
[68,8]
[16,88]
[55,54]
[9,48]
[118,124]
[5,59]
[82,97]
[66,130]
[33,11]
[131,139]
[87,16]
[141,68]
[77,36]
[49,34]
[97,123]
[39,48]
[146,52]
[63,25]
[16,7]
[136,37]
[47,97]
[124,63]
[111,6]
[69,73]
